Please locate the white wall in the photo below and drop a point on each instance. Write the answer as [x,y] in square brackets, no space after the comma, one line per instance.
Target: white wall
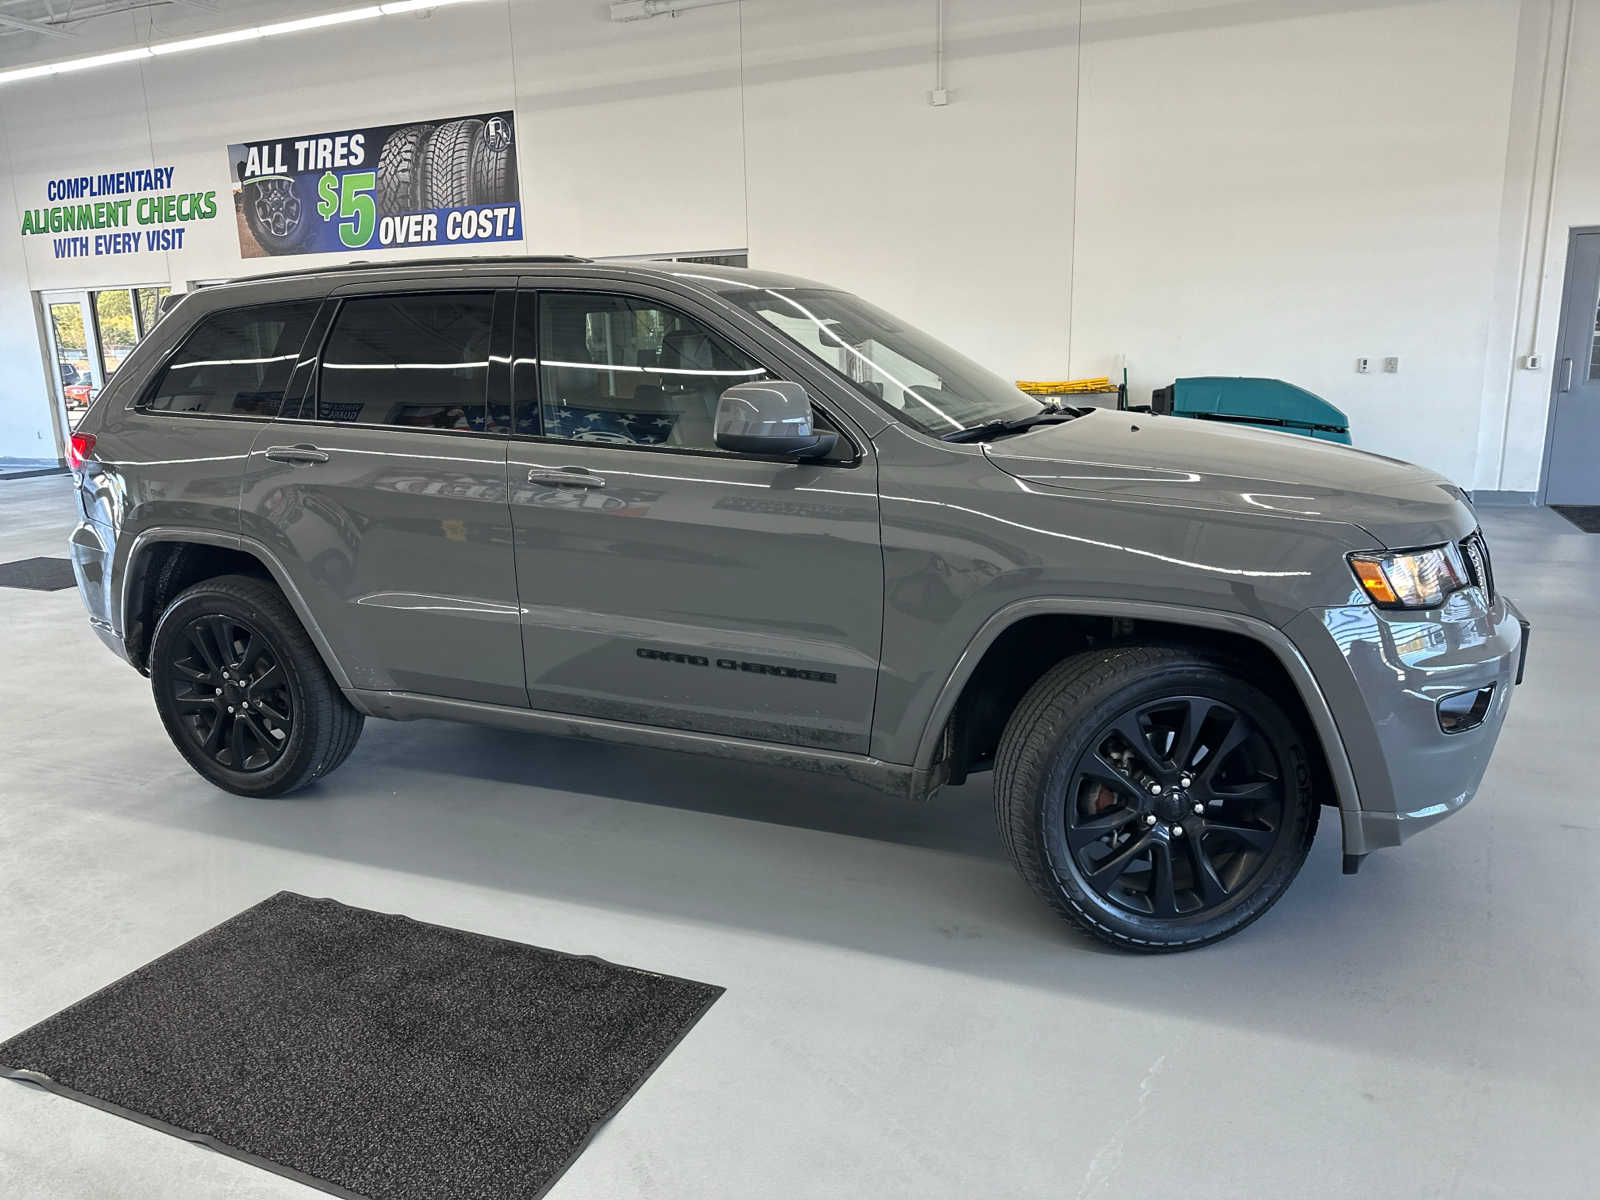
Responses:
[1281,197]
[1574,201]
[630,132]
[26,428]
[958,217]
[1222,186]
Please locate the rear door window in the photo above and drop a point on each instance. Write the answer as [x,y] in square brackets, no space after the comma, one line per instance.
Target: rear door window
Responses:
[236,362]
[411,360]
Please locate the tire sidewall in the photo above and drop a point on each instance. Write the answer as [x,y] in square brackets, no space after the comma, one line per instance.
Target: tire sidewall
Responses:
[291,763]
[1271,878]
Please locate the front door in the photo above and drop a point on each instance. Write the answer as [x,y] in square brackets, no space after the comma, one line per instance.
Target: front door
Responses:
[1572,475]
[383,491]
[663,581]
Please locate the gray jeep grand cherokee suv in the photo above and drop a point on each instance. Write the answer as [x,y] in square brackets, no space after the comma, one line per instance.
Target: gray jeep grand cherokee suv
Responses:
[751,516]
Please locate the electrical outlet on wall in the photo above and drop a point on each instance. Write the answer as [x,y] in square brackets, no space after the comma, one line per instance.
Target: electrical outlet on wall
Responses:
[1391,365]
[1363,365]
[1531,362]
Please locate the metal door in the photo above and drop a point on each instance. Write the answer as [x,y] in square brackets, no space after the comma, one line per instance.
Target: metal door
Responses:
[694,590]
[1572,460]
[76,376]
[392,520]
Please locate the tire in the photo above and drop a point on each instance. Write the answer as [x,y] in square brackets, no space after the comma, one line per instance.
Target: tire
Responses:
[494,172]
[278,212]
[400,170]
[236,638]
[1221,849]
[447,164]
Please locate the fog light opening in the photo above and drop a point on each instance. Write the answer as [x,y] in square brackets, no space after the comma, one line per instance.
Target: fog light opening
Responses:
[1465,710]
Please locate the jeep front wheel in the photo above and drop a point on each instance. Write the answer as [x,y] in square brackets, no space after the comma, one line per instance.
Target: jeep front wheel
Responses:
[1154,796]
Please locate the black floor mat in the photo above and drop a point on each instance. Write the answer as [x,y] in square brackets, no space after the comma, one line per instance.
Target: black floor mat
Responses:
[38,574]
[1585,516]
[366,1054]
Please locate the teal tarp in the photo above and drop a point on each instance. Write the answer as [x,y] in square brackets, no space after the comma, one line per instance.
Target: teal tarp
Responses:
[1269,403]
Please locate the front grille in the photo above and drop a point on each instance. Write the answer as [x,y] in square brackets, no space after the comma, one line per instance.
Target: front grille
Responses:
[1475,552]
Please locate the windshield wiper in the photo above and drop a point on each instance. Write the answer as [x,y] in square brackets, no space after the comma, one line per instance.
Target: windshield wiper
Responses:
[993,429]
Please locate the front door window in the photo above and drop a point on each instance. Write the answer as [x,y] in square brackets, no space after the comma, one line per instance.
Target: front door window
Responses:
[629,371]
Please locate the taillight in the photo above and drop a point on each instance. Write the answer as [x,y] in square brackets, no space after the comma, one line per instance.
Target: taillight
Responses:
[78,449]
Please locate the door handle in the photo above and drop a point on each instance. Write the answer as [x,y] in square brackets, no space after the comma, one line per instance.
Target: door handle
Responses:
[1566,377]
[301,454]
[566,477]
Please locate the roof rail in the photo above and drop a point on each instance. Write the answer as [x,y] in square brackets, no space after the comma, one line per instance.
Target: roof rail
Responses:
[362,264]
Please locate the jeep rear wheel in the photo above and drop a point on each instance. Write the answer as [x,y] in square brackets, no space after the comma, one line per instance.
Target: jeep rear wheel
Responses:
[242,691]
[1154,797]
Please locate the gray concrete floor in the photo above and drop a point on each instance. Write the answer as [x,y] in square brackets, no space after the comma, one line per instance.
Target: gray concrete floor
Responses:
[902,1017]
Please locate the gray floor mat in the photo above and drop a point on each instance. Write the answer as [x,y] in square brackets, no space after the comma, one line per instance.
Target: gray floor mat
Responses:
[38,574]
[1585,516]
[367,1054]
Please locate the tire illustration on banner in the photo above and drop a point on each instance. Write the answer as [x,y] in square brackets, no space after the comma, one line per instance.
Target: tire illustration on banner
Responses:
[439,182]
[494,164]
[447,164]
[277,213]
[400,169]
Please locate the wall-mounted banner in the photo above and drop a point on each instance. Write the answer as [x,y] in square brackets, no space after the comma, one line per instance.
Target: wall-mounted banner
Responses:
[116,212]
[427,183]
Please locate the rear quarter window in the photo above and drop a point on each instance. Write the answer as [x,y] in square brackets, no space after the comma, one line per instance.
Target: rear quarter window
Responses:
[235,362]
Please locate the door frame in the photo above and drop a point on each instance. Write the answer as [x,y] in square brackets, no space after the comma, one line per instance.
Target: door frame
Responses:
[1574,232]
[94,348]
[82,297]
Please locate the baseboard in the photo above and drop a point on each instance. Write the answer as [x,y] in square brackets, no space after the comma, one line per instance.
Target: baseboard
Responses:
[30,473]
[1487,499]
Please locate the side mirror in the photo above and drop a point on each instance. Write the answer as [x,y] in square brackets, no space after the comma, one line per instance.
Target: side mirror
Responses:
[770,418]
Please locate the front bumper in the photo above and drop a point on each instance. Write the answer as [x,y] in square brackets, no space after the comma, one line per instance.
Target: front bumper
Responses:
[1383,674]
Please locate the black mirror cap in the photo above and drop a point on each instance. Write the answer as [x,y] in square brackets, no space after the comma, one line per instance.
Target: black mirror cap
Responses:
[818,444]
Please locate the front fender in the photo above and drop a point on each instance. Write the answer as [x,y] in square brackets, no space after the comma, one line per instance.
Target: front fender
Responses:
[1260,632]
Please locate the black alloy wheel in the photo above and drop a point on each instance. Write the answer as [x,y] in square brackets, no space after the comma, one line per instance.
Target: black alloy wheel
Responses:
[243,691]
[1175,806]
[1158,797]
[277,207]
[278,214]
[231,692]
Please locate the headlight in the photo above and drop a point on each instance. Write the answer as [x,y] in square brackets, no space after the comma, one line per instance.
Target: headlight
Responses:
[1411,578]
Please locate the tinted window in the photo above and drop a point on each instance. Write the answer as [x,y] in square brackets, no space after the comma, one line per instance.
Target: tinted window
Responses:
[408,360]
[627,371]
[236,361]
[916,377]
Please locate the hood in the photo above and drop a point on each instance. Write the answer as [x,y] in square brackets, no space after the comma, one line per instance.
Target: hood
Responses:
[1228,468]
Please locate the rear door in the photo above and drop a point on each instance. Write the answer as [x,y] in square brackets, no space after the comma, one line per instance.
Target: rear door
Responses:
[382,488]
[666,582]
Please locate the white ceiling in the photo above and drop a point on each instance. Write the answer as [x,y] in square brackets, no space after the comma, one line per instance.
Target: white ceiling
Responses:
[44,30]
[58,20]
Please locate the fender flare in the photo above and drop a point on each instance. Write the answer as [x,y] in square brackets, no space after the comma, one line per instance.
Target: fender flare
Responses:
[231,541]
[1253,628]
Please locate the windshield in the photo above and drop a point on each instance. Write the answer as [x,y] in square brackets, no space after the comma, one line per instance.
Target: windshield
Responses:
[916,377]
